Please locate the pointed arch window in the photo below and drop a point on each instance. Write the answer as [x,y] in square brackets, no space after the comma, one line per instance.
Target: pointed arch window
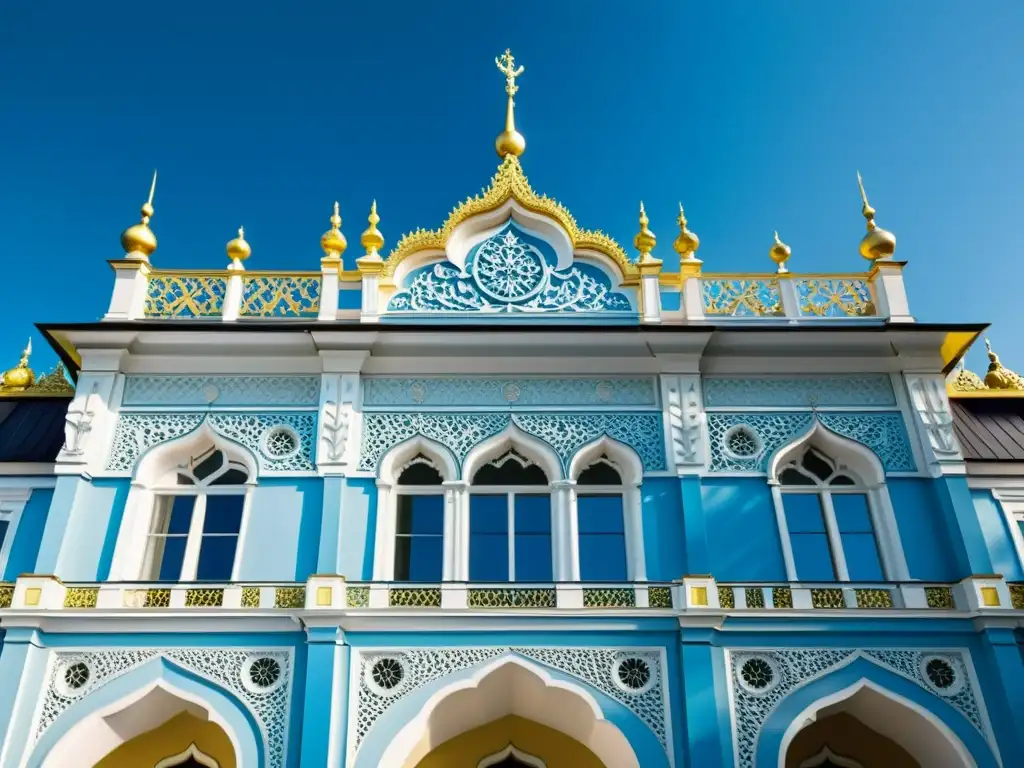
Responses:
[510,521]
[419,524]
[829,520]
[602,531]
[197,520]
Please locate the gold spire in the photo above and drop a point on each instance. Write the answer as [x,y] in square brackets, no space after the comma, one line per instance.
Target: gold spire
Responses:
[687,243]
[21,377]
[138,240]
[510,141]
[779,252]
[878,243]
[645,239]
[998,375]
[372,239]
[238,250]
[332,241]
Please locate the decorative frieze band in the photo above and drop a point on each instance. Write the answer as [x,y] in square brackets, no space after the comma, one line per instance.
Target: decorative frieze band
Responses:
[221,390]
[798,391]
[379,391]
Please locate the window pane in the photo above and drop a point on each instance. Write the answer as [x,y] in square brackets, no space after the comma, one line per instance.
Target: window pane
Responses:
[420,473]
[803,513]
[852,512]
[600,513]
[207,464]
[173,514]
[4,524]
[511,472]
[488,537]
[421,514]
[812,557]
[816,464]
[223,514]
[602,557]
[216,557]
[599,473]
[533,513]
[533,557]
[862,559]
[791,476]
[170,558]
[233,476]
[419,558]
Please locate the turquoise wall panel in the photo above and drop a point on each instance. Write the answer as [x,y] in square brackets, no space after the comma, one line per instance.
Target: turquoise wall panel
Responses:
[349,299]
[80,528]
[923,530]
[1005,559]
[671,301]
[664,542]
[29,535]
[119,487]
[358,527]
[742,531]
[282,530]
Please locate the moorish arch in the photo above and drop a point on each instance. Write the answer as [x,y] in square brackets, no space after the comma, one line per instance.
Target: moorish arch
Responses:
[157,710]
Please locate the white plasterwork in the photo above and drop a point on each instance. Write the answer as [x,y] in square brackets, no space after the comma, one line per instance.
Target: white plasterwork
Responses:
[932,417]
[89,423]
[684,413]
[339,423]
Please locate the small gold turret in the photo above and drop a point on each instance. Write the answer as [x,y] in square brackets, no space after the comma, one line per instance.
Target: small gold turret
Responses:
[238,251]
[779,253]
[998,375]
[686,243]
[138,240]
[21,377]
[510,141]
[372,239]
[645,239]
[878,243]
[332,241]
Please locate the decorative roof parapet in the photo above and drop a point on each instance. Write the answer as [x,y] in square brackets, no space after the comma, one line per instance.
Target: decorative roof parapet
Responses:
[999,380]
[509,183]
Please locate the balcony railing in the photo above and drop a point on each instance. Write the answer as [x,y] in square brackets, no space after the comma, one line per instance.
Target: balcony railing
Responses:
[689,594]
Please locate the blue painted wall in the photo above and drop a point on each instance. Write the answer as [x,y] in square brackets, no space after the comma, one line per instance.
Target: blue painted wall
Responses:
[997,534]
[350,299]
[742,531]
[671,301]
[27,538]
[923,529]
[664,542]
[282,531]
[357,527]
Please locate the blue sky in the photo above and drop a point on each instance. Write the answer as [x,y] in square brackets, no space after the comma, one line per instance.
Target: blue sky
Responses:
[756,115]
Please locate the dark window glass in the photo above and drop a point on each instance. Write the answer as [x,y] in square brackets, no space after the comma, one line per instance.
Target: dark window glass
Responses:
[602,537]
[419,545]
[599,473]
[420,473]
[842,480]
[533,537]
[858,536]
[794,477]
[217,549]
[808,538]
[816,465]
[233,476]
[207,464]
[171,551]
[511,472]
[488,537]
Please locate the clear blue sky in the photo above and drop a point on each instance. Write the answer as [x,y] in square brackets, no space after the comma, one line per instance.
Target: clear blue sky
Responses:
[755,114]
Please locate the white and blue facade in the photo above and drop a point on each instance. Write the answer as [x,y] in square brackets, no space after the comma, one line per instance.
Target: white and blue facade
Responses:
[508,496]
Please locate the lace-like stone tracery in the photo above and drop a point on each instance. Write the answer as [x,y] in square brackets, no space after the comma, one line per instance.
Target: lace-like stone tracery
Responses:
[798,392]
[594,666]
[137,432]
[226,390]
[884,433]
[225,667]
[796,667]
[565,433]
[384,391]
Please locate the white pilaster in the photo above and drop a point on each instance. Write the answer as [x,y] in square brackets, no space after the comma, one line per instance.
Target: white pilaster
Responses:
[636,559]
[790,297]
[685,421]
[564,532]
[456,531]
[933,422]
[650,298]
[233,294]
[131,281]
[693,296]
[384,541]
[890,292]
[91,419]
[329,290]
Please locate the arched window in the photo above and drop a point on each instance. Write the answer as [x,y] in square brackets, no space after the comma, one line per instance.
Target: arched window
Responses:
[419,527]
[829,520]
[510,521]
[602,530]
[197,516]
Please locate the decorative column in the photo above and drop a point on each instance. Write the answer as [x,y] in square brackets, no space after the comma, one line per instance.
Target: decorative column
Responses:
[326,687]
[370,267]
[636,558]
[686,245]
[788,295]
[23,665]
[933,422]
[238,251]
[649,268]
[128,301]
[565,551]
[455,563]
[878,247]
[334,245]
[685,428]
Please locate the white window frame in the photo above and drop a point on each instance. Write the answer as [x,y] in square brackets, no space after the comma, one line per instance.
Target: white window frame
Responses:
[12,506]
[1011,501]
[415,490]
[625,499]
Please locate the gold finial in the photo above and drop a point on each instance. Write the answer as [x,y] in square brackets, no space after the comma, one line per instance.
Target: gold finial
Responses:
[779,252]
[998,375]
[238,250]
[21,377]
[687,243]
[138,240]
[332,241]
[372,239]
[645,239]
[510,141]
[878,243]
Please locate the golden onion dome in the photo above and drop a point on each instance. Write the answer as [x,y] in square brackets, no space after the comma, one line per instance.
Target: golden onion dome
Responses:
[372,239]
[779,253]
[239,249]
[332,241]
[686,243]
[139,238]
[998,375]
[21,376]
[645,240]
[510,143]
[878,243]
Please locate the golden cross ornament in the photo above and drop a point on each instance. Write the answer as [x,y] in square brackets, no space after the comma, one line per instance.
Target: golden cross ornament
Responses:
[507,66]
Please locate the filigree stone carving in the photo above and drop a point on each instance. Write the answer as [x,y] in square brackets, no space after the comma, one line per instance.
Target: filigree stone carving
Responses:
[386,391]
[594,666]
[228,390]
[334,430]
[78,425]
[931,404]
[685,418]
[797,667]
[224,667]
[798,392]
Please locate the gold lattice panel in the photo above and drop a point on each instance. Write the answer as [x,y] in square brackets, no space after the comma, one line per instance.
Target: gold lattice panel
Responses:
[81,597]
[185,295]
[280,296]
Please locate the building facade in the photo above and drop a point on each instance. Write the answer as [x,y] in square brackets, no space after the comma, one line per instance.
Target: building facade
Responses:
[508,495]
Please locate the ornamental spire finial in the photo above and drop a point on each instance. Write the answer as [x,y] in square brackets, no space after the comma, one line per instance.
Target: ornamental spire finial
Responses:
[138,240]
[509,141]
[372,239]
[686,243]
[878,243]
[645,239]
